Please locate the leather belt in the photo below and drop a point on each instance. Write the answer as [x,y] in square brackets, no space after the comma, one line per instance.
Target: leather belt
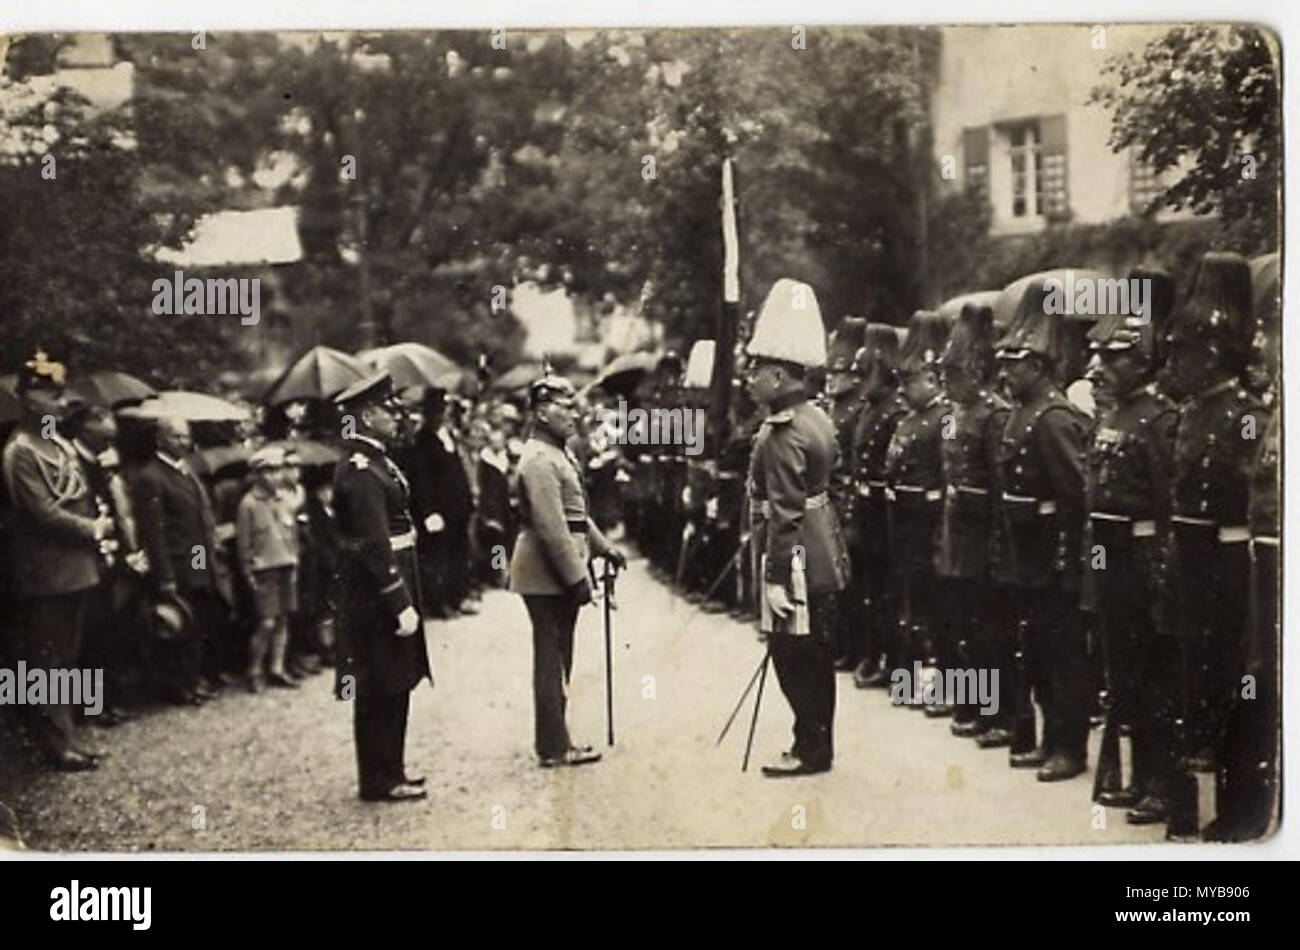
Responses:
[400,542]
[1142,528]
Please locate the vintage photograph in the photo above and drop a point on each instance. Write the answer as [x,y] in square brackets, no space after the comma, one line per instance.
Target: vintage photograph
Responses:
[507,439]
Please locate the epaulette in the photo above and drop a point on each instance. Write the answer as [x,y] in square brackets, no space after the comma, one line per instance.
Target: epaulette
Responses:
[359,460]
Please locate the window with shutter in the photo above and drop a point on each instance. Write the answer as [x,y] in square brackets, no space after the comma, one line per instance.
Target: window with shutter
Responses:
[1053,180]
[975,152]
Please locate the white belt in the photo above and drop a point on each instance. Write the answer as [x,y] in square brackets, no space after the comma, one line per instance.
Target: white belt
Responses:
[1226,534]
[1265,539]
[819,500]
[967,489]
[401,542]
[1145,528]
[932,494]
[1047,507]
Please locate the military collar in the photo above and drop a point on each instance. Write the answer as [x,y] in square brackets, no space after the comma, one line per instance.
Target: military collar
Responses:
[366,444]
[787,401]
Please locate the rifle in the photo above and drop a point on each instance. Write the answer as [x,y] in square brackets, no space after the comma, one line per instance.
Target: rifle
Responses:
[607,579]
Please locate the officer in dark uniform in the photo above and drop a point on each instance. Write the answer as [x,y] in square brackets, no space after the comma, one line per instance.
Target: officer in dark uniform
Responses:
[976,626]
[1215,448]
[1040,466]
[801,562]
[914,471]
[847,392]
[877,364]
[380,650]
[1128,471]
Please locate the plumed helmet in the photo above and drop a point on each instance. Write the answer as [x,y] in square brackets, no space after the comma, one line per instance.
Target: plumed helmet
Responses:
[927,335]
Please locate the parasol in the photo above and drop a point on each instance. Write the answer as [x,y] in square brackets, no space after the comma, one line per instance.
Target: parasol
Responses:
[191,406]
[111,389]
[320,373]
[414,364]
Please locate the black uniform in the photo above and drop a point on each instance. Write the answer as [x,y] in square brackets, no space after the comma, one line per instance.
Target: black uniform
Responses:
[850,612]
[377,580]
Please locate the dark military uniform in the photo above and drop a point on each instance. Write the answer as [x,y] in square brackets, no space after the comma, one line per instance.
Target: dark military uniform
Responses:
[789,475]
[871,550]
[846,408]
[377,580]
[1040,466]
[1128,480]
[914,471]
[975,621]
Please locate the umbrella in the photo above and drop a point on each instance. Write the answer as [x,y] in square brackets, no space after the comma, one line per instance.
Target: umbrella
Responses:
[211,461]
[191,406]
[1007,302]
[414,364]
[622,373]
[951,308]
[319,373]
[517,377]
[310,451]
[111,388]
[1265,280]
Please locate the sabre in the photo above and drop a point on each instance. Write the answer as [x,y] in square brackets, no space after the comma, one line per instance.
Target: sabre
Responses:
[758,701]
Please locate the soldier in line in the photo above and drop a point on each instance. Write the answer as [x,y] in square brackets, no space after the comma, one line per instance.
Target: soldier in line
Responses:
[801,563]
[848,395]
[877,364]
[54,539]
[1216,443]
[380,650]
[549,565]
[977,628]
[914,470]
[1040,468]
[1128,470]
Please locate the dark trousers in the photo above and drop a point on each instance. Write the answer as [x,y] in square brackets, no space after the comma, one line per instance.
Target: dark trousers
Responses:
[963,620]
[111,641]
[1058,669]
[553,617]
[379,727]
[1124,636]
[805,669]
[47,635]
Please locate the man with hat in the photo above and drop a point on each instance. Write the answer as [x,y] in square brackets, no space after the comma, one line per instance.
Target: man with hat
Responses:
[1128,468]
[914,473]
[556,540]
[1040,468]
[847,392]
[980,635]
[53,542]
[380,650]
[877,363]
[800,559]
[1215,445]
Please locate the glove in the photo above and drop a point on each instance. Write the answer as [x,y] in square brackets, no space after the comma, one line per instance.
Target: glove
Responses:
[408,621]
[583,591]
[778,601]
[138,561]
[434,523]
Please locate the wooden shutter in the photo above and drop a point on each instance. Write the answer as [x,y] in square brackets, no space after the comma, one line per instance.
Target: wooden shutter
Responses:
[1054,184]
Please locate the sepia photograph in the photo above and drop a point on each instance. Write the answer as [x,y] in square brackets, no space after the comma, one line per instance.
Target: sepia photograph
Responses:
[798,436]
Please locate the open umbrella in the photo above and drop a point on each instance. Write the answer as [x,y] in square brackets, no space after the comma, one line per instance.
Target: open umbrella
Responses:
[622,373]
[184,404]
[951,308]
[414,364]
[111,388]
[319,373]
[517,377]
[1004,307]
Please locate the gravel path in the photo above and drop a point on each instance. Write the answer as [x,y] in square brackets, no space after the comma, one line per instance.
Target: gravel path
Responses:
[276,771]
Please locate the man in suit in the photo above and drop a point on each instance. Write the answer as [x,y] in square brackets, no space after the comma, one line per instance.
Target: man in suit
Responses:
[53,541]
[549,566]
[380,653]
[801,561]
[442,502]
[176,523]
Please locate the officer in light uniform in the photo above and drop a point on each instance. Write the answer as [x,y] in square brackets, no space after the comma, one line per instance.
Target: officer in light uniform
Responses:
[800,558]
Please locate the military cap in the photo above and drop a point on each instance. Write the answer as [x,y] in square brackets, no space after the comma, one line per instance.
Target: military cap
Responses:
[1219,308]
[789,326]
[879,351]
[846,340]
[699,366]
[268,456]
[1034,331]
[970,342]
[1126,331]
[40,372]
[927,335]
[552,389]
[371,391]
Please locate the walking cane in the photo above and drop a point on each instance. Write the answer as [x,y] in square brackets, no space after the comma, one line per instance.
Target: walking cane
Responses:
[758,701]
[740,702]
[610,573]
